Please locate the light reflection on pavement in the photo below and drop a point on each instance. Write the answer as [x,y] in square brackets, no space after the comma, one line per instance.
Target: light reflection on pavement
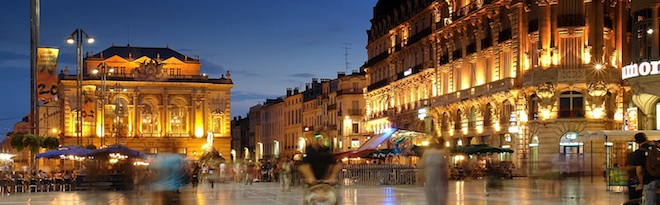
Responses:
[518,191]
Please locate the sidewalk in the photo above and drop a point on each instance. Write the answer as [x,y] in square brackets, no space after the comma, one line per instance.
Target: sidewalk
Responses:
[518,191]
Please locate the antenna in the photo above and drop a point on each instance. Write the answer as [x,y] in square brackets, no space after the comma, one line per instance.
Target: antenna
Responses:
[128,34]
[346,55]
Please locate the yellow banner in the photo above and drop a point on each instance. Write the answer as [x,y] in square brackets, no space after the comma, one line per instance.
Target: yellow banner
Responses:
[47,74]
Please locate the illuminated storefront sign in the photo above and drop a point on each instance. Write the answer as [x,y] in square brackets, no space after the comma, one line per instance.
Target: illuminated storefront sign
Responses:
[641,69]
[631,119]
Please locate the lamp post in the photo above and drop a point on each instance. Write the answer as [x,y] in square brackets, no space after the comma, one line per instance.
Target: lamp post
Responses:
[104,71]
[118,89]
[77,38]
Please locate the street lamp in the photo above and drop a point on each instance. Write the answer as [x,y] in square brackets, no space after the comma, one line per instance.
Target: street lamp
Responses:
[117,125]
[104,71]
[77,37]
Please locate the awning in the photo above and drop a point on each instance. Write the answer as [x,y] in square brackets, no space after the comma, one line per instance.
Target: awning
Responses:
[616,135]
[376,140]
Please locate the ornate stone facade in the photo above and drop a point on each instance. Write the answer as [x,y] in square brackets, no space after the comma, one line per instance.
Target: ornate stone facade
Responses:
[505,73]
[155,100]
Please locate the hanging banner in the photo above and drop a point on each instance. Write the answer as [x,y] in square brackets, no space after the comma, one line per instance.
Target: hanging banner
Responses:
[47,74]
[88,109]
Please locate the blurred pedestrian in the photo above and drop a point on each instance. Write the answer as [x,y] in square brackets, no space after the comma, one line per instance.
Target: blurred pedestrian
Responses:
[320,171]
[250,168]
[195,176]
[171,173]
[211,177]
[285,175]
[434,165]
[493,177]
[223,170]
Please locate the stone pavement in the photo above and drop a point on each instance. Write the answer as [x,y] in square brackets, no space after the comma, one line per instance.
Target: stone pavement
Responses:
[471,192]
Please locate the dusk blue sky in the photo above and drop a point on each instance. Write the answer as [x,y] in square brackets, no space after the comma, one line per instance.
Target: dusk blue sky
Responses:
[267,45]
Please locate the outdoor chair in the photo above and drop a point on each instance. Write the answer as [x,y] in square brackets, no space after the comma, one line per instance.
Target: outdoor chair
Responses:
[59,185]
[34,183]
[19,183]
[5,186]
[66,183]
[47,185]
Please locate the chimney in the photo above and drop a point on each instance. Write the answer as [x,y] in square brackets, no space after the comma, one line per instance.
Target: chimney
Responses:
[288,92]
[296,91]
[340,74]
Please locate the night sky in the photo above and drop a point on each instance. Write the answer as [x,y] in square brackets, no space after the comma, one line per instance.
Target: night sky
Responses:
[267,46]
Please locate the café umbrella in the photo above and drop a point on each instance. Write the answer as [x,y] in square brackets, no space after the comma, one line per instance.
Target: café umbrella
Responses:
[65,151]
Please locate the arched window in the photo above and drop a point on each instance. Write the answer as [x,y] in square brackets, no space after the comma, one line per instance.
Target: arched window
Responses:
[149,120]
[457,120]
[657,116]
[505,113]
[533,112]
[121,118]
[472,122]
[487,115]
[571,105]
[178,117]
[445,122]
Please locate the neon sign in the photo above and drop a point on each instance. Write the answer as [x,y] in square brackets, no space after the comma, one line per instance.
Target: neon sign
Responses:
[641,69]
[407,72]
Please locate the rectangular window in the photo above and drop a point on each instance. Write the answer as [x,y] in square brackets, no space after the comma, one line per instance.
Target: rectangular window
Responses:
[356,128]
[355,143]
[571,50]
[153,150]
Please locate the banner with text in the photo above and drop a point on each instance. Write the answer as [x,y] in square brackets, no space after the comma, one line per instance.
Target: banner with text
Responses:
[47,74]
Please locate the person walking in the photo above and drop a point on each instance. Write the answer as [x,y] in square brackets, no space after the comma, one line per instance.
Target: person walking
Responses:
[249,172]
[285,175]
[638,159]
[434,165]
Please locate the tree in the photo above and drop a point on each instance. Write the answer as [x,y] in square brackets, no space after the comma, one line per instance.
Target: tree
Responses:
[33,142]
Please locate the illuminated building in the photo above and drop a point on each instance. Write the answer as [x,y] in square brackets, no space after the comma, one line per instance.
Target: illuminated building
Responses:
[156,101]
[527,75]
[330,107]
[642,73]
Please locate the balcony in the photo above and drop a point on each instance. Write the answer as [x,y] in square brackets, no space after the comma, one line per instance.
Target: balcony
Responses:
[349,91]
[474,92]
[419,36]
[377,59]
[358,112]
[537,76]
[379,84]
[571,20]
[413,70]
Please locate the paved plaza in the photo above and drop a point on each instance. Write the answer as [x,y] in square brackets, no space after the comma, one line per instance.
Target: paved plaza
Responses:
[471,192]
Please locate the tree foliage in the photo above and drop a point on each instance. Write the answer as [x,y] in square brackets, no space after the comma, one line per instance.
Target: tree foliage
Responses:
[33,142]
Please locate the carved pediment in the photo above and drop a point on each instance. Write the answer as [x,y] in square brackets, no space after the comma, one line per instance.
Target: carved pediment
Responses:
[150,71]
